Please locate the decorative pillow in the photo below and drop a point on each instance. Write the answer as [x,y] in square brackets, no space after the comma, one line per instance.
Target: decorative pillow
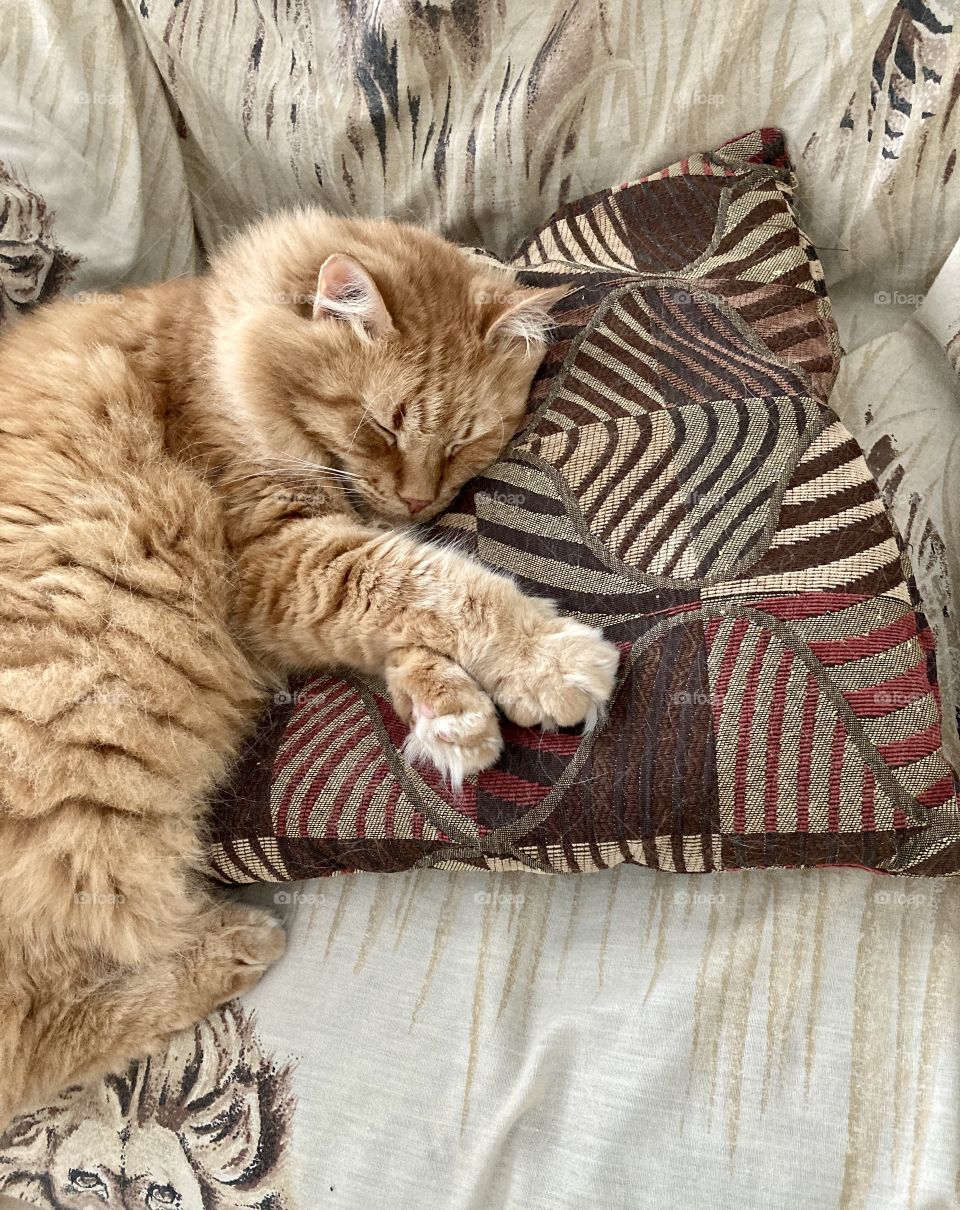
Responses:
[681,483]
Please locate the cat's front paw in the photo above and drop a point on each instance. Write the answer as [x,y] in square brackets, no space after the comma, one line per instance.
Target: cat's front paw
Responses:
[459,743]
[563,677]
[453,723]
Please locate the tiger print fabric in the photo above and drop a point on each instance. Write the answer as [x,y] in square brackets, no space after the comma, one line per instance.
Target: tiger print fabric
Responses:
[683,484]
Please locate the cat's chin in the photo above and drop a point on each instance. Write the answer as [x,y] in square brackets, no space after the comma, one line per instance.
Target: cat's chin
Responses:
[401,518]
[379,515]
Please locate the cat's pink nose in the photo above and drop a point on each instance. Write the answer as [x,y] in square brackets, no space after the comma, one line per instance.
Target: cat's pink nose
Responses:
[414,504]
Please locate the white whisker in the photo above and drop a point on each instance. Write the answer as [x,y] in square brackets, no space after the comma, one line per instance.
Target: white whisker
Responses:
[282,468]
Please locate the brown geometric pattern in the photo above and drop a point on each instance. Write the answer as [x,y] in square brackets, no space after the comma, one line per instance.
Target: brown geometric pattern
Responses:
[681,483]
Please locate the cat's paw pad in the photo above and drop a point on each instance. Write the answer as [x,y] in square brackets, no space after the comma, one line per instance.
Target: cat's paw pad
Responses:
[236,949]
[458,743]
[565,679]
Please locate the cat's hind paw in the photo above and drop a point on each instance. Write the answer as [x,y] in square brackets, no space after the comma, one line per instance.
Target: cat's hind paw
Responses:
[236,947]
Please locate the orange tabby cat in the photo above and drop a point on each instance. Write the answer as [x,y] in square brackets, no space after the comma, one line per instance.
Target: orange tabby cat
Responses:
[204,486]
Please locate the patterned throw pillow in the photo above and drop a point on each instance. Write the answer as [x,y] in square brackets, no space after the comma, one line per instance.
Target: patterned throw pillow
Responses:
[681,483]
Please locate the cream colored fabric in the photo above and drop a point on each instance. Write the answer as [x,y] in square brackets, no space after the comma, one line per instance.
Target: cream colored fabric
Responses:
[623,1040]
[899,395]
[85,125]
[479,119]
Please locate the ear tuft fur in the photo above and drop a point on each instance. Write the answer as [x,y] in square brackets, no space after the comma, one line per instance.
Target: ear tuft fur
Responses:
[345,290]
[524,315]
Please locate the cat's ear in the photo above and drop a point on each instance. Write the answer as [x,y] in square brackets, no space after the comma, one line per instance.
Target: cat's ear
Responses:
[524,315]
[345,290]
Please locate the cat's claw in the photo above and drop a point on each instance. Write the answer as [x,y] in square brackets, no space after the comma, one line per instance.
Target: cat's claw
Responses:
[566,678]
[457,744]
[453,723]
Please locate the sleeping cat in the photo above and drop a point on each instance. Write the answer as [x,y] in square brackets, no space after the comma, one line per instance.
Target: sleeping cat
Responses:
[204,486]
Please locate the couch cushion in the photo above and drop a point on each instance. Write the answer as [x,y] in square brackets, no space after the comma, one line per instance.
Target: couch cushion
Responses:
[683,484]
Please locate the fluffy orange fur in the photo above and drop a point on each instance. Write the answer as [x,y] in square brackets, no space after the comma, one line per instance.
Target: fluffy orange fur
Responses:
[205,485]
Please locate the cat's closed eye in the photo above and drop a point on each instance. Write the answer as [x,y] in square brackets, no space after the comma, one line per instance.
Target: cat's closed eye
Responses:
[387,434]
[461,442]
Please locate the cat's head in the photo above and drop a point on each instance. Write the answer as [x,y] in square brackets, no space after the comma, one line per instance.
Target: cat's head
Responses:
[378,349]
